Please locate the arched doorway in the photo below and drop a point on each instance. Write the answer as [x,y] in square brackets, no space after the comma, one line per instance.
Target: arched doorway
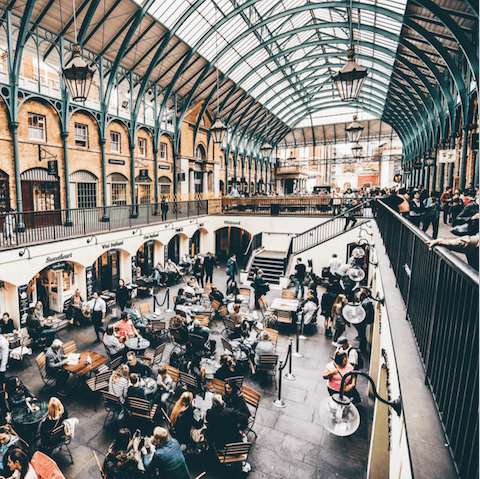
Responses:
[145,258]
[194,244]
[83,186]
[106,271]
[164,186]
[173,249]
[231,240]
[117,189]
[143,188]
[222,188]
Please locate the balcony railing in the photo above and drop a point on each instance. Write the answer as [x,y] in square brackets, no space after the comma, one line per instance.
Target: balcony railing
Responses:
[440,292]
[33,227]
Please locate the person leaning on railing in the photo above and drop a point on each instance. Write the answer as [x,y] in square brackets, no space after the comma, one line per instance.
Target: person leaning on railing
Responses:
[465,244]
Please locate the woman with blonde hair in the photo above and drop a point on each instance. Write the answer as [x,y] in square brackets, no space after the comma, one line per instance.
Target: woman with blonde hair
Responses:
[56,417]
[186,428]
[119,382]
[339,322]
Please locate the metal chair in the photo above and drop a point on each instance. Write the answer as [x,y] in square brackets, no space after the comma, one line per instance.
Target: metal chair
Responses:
[47,381]
[233,453]
[114,363]
[288,294]
[272,336]
[216,386]
[246,293]
[60,441]
[99,382]
[252,398]
[159,330]
[156,356]
[141,408]
[190,382]
[178,344]
[112,405]
[268,364]
[69,348]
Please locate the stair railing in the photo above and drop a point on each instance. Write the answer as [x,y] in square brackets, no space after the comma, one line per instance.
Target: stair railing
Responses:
[255,243]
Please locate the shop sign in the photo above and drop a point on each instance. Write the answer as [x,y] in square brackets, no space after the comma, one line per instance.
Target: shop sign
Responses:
[152,235]
[134,269]
[143,174]
[112,245]
[447,156]
[54,259]
[163,167]
[149,243]
[233,223]
[23,303]
[89,280]
[52,167]
[116,162]
[59,265]
[111,252]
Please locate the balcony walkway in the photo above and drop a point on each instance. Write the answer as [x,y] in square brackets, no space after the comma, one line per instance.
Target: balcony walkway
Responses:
[291,442]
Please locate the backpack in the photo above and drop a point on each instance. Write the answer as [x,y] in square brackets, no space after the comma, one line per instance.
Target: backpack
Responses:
[360,363]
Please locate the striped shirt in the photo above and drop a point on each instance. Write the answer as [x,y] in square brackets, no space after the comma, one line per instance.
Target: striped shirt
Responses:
[119,389]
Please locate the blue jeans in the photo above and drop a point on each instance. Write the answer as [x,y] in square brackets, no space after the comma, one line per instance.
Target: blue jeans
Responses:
[298,285]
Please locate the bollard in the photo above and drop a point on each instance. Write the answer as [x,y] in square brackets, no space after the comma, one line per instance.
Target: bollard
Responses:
[297,354]
[289,376]
[279,402]
[167,295]
[302,336]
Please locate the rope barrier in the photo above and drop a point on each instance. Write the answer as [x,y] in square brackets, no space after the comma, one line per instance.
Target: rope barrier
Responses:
[279,402]
[166,298]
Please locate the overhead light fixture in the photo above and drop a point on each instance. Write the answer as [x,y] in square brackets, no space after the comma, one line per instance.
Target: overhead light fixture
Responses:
[138,230]
[266,150]
[357,150]
[25,250]
[350,79]
[354,130]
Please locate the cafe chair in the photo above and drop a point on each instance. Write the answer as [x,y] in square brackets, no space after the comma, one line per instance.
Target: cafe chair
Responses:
[69,348]
[272,336]
[202,475]
[214,312]
[178,345]
[252,398]
[284,317]
[204,321]
[155,357]
[144,308]
[268,365]
[229,326]
[238,380]
[139,408]
[47,381]
[234,453]
[246,293]
[288,294]
[216,386]
[112,405]
[45,467]
[99,382]
[23,350]
[189,382]
[167,419]
[107,351]
[60,441]
[197,342]
[114,363]
[159,330]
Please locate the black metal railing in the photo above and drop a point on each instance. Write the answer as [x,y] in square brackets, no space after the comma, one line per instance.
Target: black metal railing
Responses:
[33,227]
[285,205]
[254,244]
[440,292]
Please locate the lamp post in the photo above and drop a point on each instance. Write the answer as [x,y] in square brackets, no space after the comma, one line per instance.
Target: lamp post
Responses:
[340,416]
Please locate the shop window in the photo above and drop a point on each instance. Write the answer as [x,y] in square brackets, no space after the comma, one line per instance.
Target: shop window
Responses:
[142,147]
[81,135]
[86,195]
[143,189]
[36,127]
[119,194]
[201,153]
[163,151]
[114,142]
[164,184]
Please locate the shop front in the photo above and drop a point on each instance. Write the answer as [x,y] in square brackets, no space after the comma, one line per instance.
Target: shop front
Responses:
[145,258]
[195,244]
[106,271]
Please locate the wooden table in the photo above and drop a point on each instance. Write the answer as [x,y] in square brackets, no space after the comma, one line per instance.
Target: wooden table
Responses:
[287,305]
[81,369]
[153,317]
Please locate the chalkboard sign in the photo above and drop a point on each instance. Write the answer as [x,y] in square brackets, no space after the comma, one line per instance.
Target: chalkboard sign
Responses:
[165,254]
[134,269]
[66,304]
[23,303]
[89,280]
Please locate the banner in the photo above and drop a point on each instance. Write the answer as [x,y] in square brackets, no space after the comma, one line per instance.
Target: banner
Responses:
[447,156]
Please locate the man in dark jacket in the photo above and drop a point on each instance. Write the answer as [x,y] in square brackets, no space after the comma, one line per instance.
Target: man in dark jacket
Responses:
[138,366]
[260,287]
[135,390]
[208,265]
[54,362]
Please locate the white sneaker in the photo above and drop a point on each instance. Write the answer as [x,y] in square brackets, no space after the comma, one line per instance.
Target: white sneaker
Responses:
[246,467]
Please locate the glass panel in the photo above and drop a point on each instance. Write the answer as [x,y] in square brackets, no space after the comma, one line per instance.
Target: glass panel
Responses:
[119,194]
[86,195]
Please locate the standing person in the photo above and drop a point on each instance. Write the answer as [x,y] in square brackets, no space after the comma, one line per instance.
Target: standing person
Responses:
[198,270]
[416,209]
[123,295]
[208,265]
[232,268]
[335,371]
[98,308]
[336,202]
[164,207]
[445,199]
[8,233]
[431,215]
[349,217]
[333,266]
[455,206]
[54,362]
[260,287]
[299,278]
[339,322]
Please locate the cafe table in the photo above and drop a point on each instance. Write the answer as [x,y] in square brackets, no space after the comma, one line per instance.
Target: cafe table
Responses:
[153,317]
[82,369]
[149,385]
[137,344]
[287,305]
[29,420]
[198,308]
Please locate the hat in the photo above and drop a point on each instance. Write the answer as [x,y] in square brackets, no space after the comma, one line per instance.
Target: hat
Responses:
[342,340]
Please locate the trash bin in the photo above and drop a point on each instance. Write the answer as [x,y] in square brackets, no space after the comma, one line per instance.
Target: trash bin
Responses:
[275,209]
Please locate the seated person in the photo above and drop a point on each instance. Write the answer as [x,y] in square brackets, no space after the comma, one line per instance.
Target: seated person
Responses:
[125,328]
[216,295]
[113,344]
[75,307]
[56,417]
[137,366]
[37,328]
[119,382]
[165,385]
[178,325]
[54,362]
[309,308]
[183,308]
[135,390]
[19,465]
[234,399]
[6,325]
[167,459]
[210,344]
[119,462]
[183,420]
[195,369]
[227,368]
[5,414]
[231,305]
[18,394]
[156,276]
[173,272]
[136,317]
[233,290]
[189,290]
[239,320]
[223,423]
[263,346]
[9,442]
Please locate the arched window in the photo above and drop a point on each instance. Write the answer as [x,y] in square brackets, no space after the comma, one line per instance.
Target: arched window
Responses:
[143,188]
[201,153]
[84,189]
[165,185]
[40,190]
[117,184]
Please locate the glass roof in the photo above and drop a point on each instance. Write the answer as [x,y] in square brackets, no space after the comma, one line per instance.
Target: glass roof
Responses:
[283,53]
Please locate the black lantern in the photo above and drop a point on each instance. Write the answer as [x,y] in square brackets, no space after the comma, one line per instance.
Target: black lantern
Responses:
[354,130]
[350,79]
[266,149]
[78,76]
[357,150]
[218,131]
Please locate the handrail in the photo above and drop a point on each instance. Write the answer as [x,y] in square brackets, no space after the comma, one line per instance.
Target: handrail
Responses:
[255,242]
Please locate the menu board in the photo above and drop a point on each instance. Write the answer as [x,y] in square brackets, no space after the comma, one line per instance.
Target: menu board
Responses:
[134,269]
[23,303]
[165,254]
[89,280]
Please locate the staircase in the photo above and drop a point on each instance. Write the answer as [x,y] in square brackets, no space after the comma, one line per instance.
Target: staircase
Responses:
[272,263]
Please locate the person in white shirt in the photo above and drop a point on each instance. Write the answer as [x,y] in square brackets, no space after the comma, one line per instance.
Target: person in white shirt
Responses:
[98,308]
[342,271]
[333,265]
[113,344]
[352,353]
[119,382]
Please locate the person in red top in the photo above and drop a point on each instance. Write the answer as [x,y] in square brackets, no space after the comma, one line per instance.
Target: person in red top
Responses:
[335,371]
[125,328]
[445,198]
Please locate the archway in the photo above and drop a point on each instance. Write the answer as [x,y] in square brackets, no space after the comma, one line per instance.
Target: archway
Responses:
[105,272]
[175,247]
[231,240]
[146,258]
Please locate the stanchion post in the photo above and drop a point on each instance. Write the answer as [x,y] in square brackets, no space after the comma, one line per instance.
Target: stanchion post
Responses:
[279,402]
[302,335]
[168,310]
[297,353]
[289,376]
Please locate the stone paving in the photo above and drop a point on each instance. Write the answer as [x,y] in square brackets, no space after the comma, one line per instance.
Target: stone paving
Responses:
[291,441]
